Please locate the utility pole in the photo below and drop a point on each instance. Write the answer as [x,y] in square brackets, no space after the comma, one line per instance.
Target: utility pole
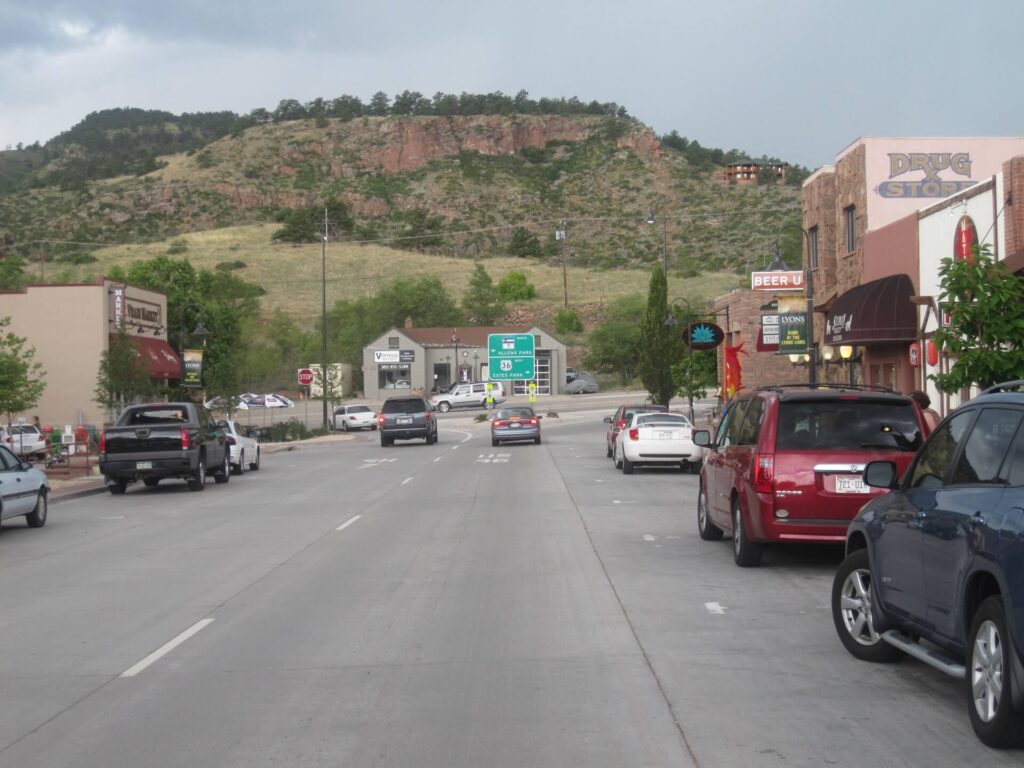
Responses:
[560,235]
[323,328]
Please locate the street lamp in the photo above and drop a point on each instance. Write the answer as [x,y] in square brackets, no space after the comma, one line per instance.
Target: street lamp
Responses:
[455,341]
[651,219]
[200,331]
[812,351]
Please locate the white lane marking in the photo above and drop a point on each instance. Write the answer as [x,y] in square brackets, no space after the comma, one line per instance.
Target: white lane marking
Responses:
[159,653]
[715,608]
[648,537]
[345,525]
[438,459]
[616,501]
[407,480]
[116,517]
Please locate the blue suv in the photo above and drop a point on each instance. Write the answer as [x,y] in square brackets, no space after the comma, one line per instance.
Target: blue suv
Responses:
[935,568]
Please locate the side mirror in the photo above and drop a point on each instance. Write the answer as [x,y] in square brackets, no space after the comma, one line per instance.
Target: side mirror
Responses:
[538,417]
[880,474]
[607,419]
[702,437]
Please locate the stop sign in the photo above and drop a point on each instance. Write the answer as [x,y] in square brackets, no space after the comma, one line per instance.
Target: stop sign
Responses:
[305,377]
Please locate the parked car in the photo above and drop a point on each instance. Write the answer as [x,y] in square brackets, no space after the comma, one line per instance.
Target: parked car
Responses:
[935,568]
[23,490]
[25,440]
[583,384]
[244,448]
[515,423]
[354,416]
[472,395]
[657,439]
[622,417]
[570,374]
[785,464]
[406,418]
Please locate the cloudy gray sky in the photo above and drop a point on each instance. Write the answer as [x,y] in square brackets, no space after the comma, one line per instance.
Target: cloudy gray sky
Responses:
[795,79]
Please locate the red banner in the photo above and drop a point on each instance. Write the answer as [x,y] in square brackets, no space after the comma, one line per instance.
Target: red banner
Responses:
[733,370]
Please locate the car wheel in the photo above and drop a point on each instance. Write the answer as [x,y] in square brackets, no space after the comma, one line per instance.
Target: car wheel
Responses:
[708,531]
[444,407]
[627,466]
[256,464]
[373,427]
[494,443]
[239,468]
[37,517]
[617,461]
[852,614]
[151,482]
[609,454]
[223,474]
[198,480]
[117,487]
[384,441]
[537,439]
[746,553]
[990,678]
[344,426]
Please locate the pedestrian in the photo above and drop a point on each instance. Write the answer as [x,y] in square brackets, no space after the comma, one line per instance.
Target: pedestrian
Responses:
[36,424]
[931,418]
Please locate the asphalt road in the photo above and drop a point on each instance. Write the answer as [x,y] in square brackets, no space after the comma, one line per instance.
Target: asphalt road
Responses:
[447,605]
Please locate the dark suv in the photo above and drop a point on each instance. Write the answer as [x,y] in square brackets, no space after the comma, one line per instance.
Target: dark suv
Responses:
[786,462]
[935,568]
[405,418]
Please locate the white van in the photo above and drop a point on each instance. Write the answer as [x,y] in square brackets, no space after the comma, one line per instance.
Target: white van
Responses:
[473,395]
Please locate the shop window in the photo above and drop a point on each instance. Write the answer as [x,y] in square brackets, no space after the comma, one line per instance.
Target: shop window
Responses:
[850,223]
[812,247]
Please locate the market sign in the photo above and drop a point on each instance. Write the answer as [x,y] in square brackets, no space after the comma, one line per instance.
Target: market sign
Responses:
[394,356]
[783,280]
[701,337]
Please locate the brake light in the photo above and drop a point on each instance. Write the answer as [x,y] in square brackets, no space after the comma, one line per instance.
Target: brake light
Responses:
[426,416]
[184,439]
[229,440]
[531,421]
[500,423]
[380,419]
[634,433]
[764,473]
[103,442]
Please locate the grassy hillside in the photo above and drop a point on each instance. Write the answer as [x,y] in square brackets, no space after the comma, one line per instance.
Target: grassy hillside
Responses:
[291,274]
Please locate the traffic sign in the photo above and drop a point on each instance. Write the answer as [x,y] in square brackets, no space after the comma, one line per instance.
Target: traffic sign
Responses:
[305,377]
[510,356]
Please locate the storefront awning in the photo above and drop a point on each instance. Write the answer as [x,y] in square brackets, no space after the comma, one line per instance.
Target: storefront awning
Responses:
[878,311]
[163,361]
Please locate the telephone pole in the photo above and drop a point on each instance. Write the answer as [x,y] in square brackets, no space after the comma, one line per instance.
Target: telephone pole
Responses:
[323,327]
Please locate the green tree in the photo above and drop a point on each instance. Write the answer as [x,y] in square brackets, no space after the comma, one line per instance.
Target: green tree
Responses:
[122,376]
[21,375]
[305,225]
[985,335]
[567,321]
[524,243]
[693,374]
[482,301]
[515,287]
[379,104]
[12,273]
[615,343]
[660,346]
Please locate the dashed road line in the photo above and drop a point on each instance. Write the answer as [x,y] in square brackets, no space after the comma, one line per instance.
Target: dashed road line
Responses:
[166,648]
[345,525]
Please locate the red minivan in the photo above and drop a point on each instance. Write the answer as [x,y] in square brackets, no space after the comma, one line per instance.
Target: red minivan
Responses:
[785,464]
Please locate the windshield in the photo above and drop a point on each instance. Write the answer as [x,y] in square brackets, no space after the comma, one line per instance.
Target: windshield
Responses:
[661,420]
[847,425]
[515,413]
[359,409]
[404,406]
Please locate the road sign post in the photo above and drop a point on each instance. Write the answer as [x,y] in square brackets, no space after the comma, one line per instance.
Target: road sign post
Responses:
[305,377]
[510,357]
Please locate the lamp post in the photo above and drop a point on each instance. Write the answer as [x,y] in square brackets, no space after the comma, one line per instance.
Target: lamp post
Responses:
[200,331]
[455,341]
[323,326]
[812,351]
[476,366]
[651,219]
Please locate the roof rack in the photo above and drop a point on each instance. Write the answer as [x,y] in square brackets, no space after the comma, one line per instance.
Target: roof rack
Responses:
[827,385]
[1007,386]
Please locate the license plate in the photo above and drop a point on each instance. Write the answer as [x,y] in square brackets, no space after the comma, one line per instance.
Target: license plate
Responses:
[850,484]
[404,420]
[664,435]
[143,464]
[514,425]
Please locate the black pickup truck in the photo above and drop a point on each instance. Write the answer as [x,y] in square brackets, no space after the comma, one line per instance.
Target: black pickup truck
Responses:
[160,440]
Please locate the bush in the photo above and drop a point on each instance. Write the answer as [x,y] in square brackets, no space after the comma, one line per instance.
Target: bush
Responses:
[228,266]
[515,287]
[567,321]
[284,431]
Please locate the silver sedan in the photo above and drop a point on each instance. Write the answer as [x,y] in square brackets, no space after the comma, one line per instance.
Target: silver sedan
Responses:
[23,490]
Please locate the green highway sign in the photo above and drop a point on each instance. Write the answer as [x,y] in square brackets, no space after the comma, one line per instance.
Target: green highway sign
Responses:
[510,356]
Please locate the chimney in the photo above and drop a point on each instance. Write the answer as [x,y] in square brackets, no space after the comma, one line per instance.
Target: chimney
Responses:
[408,322]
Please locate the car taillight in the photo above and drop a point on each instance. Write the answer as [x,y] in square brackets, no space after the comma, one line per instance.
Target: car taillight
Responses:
[380,419]
[531,421]
[229,440]
[500,423]
[103,442]
[184,439]
[634,433]
[764,473]
[426,416]
[620,424]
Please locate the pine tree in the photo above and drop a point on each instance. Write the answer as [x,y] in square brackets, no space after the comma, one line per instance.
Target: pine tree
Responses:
[660,346]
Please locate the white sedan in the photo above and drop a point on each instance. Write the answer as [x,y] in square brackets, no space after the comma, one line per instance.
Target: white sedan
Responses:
[657,438]
[245,450]
[354,416]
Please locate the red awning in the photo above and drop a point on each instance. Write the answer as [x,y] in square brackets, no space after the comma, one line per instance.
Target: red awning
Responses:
[163,361]
[879,311]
